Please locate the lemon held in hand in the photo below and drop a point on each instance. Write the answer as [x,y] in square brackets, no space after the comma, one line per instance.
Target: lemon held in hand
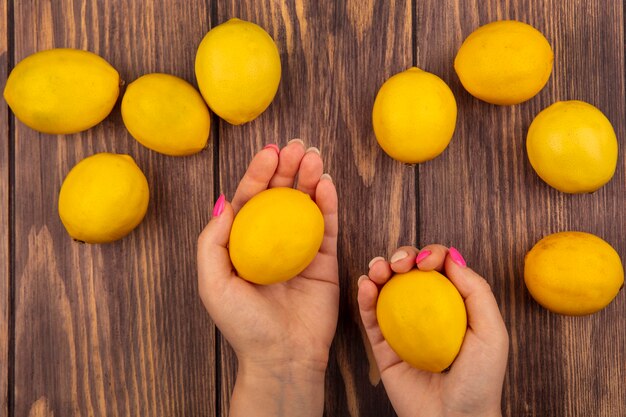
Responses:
[275,235]
[422,317]
[504,62]
[103,198]
[238,70]
[414,116]
[166,114]
[572,146]
[61,91]
[573,273]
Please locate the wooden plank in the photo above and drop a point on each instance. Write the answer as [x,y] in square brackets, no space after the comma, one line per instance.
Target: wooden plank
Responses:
[483,197]
[5,227]
[117,329]
[334,59]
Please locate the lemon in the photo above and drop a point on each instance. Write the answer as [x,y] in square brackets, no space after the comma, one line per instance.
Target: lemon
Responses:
[238,70]
[504,62]
[573,273]
[275,235]
[414,116]
[62,91]
[103,198]
[166,114]
[572,146]
[422,317]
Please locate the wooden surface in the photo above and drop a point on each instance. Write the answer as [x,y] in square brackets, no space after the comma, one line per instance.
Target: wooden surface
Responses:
[118,329]
[5,291]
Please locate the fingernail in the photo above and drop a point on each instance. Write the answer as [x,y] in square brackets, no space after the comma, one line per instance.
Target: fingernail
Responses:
[456,257]
[313,149]
[274,147]
[300,141]
[361,279]
[218,208]
[326,177]
[376,259]
[398,256]
[422,255]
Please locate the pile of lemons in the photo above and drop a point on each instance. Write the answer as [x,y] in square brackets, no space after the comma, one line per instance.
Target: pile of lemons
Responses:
[571,145]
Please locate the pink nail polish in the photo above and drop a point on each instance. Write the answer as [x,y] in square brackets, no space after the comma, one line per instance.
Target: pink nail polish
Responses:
[456,257]
[218,208]
[273,147]
[422,255]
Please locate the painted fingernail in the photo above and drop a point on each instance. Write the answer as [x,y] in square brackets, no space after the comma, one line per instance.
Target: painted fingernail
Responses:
[326,177]
[361,279]
[422,255]
[313,149]
[218,208]
[300,141]
[398,256]
[456,257]
[274,147]
[376,259]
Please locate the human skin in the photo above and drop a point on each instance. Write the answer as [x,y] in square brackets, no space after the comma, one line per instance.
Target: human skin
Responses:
[281,333]
[473,385]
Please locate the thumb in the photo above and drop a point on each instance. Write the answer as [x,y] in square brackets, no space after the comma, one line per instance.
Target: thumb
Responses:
[214,266]
[483,314]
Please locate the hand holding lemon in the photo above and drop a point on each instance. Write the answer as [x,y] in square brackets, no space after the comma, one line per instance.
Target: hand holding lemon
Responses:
[427,332]
[281,332]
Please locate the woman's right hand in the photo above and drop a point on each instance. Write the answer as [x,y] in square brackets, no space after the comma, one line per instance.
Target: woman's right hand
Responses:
[473,386]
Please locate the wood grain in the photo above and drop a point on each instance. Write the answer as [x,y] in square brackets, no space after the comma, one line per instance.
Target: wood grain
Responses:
[117,329]
[483,197]
[5,227]
[334,59]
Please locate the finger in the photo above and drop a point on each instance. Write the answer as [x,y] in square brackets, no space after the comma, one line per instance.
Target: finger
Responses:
[483,314]
[324,265]
[326,200]
[431,257]
[403,259]
[311,169]
[367,298]
[485,347]
[288,164]
[379,270]
[257,176]
[214,266]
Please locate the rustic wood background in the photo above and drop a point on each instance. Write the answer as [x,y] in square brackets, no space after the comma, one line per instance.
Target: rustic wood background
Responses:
[118,329]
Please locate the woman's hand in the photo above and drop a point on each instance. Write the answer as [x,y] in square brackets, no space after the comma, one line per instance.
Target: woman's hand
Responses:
[473,386]
[281,333]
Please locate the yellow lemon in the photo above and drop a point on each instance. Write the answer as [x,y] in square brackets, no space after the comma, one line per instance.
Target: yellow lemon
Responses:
[573,273]
[62,91]
[504,62]
[238,70]
[103,198]
[422,317]
[572,146]
[166,114]
[275,235]
[414,116]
